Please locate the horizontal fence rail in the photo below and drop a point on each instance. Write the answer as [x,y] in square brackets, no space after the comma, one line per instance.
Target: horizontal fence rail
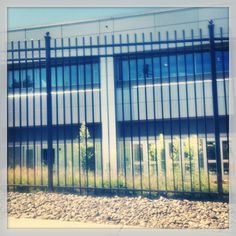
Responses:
[134,114]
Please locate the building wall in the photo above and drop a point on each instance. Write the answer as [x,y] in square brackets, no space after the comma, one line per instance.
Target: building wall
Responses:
[157,21]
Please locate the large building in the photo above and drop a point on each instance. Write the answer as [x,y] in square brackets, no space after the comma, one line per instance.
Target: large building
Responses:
[136,103]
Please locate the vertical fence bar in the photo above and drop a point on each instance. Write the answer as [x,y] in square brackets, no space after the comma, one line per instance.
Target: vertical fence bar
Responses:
[14,117]
[154,110]
[170,110]
[78,111]
[138,107]
[187,107]
[215,106]
[162,113]
[225,98]
[93,113]
[196,110]
[20,108]
[64,113]
[71,116]
[145,74]
[85,115]
[179,112]
[57,115]
[34,138]
[120,74]
[100,108]
[49,111]
[27,111]
[204,108]
[41,112]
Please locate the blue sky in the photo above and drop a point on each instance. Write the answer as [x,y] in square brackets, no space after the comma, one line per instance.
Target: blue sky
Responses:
[23,17]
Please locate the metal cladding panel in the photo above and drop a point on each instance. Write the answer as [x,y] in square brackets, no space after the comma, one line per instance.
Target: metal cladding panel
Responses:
[206,13]
[89,28]
[106,26]
[134,23]
[177,17]
[38,33]
[16,35]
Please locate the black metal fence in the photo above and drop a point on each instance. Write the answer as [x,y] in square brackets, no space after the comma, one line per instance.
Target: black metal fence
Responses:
[171,112]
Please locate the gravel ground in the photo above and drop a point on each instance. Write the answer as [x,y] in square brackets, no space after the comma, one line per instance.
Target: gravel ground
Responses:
[157,213]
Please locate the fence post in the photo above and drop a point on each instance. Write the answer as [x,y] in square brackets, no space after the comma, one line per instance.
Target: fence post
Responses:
[215,106]
[49,112]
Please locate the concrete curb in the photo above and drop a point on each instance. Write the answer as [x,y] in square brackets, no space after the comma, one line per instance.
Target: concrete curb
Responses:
[27,223]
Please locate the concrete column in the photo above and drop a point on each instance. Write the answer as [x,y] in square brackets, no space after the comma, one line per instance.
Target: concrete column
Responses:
[108,119]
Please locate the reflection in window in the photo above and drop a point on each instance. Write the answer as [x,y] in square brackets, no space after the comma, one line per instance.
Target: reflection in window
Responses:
[146,67]
[87,74]
[74,75]
[30,78]
[222,61]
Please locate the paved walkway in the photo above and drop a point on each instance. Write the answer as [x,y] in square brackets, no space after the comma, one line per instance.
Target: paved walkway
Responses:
[23,223]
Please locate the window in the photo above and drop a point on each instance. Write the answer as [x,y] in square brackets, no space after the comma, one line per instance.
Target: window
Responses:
[44,156]
[30,78]
[30,158]
[13,152]
[152,151]
[147,67]
[225,150]
[222,61]
[211,150]
[36,78]
[226,168]
[82,74]
[138,152]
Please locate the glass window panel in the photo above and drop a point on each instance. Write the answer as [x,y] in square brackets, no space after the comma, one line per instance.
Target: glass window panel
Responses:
[189,64]
[156,69]
[226,168]
[16,81]
[43,77]
[133,73]
[73,75]
[172,60]
[125,70]
[22,78]
[140,69]
[10,80]
[164,68]
[225,150]
[148,68]
[211,150]
[59,76]
[88,73]
[219,64]
[95,73]
[81,74]
[138,152]
[181,66]
[66,77]
[29,79]
[53,79]
[226,61]
[206,62]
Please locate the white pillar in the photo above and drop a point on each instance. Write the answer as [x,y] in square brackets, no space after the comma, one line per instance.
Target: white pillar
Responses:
[108,118]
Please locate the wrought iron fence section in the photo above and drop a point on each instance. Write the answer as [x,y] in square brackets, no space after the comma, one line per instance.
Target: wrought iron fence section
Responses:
[171,113]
